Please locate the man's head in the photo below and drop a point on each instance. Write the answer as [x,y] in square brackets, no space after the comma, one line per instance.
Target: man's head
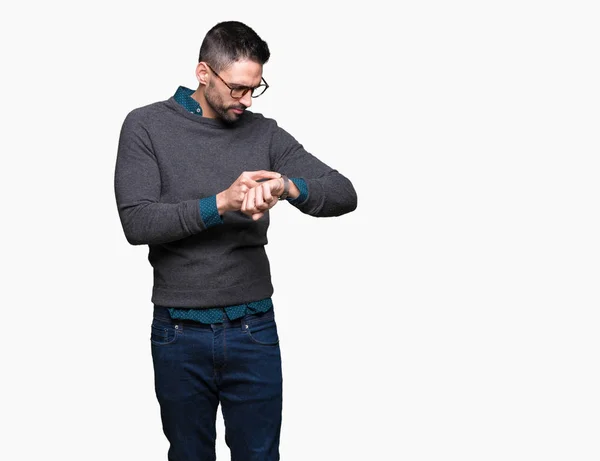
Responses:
[229,70]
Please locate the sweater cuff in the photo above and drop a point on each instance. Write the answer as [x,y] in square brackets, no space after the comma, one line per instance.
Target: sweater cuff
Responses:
[303,188]
[209,212]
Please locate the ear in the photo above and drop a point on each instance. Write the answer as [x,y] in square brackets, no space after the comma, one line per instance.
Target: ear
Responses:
[202,73]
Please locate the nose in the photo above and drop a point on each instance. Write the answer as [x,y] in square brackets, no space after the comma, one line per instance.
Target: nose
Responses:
[246,100]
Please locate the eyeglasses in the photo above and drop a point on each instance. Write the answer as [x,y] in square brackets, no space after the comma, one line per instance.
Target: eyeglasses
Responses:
[238,92]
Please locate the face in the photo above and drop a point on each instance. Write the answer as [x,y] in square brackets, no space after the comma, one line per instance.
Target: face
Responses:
[218,98]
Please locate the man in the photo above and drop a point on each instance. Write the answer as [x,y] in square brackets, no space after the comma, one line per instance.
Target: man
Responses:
[195,178]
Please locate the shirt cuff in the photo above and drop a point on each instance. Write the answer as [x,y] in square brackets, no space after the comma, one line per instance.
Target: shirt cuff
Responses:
[302,187]
[209,212]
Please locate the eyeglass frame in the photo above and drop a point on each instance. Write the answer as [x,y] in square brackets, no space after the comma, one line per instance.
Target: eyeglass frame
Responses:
[246,88]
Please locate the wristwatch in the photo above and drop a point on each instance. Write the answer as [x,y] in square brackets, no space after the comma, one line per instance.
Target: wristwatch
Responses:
[286,187]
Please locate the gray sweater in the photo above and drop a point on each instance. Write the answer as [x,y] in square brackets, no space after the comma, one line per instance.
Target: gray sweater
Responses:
[168,159]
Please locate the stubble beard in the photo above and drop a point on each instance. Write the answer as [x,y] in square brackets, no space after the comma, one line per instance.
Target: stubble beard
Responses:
[215,101]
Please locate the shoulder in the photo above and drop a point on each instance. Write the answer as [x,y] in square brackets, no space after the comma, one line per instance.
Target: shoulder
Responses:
[145,114]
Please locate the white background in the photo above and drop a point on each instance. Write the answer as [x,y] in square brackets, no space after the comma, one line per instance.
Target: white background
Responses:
[453,315]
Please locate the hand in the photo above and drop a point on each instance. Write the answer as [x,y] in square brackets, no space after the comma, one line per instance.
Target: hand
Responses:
[262,197]
[233,197]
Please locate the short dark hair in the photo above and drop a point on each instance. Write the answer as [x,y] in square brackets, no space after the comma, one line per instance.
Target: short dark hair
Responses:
[231,41]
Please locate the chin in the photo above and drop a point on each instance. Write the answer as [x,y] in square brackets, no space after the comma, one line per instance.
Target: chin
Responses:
[230,117]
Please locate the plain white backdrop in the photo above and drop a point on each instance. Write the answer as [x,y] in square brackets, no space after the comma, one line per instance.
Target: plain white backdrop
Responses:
[452,316]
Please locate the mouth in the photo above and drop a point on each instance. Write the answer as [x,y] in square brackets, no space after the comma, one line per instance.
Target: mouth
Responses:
[237,110]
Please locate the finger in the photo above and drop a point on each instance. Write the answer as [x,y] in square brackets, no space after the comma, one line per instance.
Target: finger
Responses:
[263,174]
[266,193]
[272,204]
[257,216]
[259,201]
[244,206]
[249,183]
[251,200]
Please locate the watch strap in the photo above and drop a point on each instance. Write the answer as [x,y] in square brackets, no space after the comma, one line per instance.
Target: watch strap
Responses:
[286,187]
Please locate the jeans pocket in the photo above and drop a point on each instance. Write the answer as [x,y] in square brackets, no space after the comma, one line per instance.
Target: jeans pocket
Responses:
[264,333]
[163,333]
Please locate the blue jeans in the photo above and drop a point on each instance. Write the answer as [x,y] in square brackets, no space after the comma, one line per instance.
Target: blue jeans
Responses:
[237,364]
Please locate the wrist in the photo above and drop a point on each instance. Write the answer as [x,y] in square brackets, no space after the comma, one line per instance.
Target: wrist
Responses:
[286,187]
[294,191]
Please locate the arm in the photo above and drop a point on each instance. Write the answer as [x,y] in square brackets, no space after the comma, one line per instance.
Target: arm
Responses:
[329,192]
[137,189]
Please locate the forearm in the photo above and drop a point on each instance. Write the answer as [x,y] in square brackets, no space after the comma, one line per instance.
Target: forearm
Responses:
[327,191]
[157,223]
[329,195]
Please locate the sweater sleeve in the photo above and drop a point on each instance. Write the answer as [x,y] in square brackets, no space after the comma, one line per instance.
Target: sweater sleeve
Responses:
[329,192]
[137,184]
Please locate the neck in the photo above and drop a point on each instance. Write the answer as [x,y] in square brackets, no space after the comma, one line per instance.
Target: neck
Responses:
[198,96]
